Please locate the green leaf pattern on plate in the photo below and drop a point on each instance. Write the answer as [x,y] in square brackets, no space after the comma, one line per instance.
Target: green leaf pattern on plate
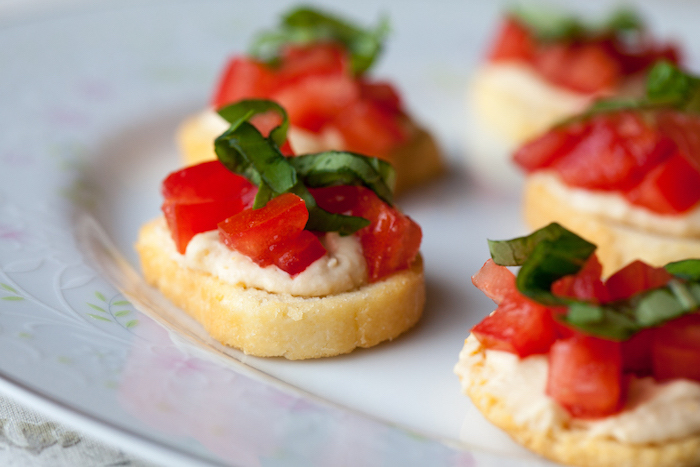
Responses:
[115,310]
[15,297]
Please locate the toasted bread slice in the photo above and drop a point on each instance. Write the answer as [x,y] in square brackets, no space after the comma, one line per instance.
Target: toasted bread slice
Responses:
[562,442]
[268,324]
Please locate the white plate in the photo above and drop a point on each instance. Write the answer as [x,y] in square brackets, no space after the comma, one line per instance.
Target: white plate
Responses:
[90,103]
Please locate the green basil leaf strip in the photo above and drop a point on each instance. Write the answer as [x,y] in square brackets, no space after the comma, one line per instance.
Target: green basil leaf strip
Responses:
[515,252]
[305,25]
[243,110]
[244,150]
[345,168]
[688,269]
[550,25]
[602,321]
[545,255]
[553,252]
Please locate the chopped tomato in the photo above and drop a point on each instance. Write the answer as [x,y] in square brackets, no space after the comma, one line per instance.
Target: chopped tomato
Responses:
[303,61]
[684,129]
[497,282]
[541,152]
[367,128]
[243,78]
[583,65]
[585,68]
[313,101]
[513,42]
[676,349]
[636,352]
[392,240]
[297,253]
[618,150]
[585,376]
[611,151]
[519,326]
[383,94]
[673,187]
[636,277]
[585,284]
[316,86]
[197,198]
[642,56]
[274,234]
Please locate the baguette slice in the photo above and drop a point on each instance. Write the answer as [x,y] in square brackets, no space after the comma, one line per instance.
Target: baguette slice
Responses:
[562,443]
[416,162]
[618,243]
[270,324]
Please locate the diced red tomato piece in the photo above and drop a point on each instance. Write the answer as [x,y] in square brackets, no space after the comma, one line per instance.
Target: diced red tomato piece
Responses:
[542,151]
[640,56]
[273,234]
[684,129]
[497,282]
[615,154]
[369,129]
[392,240]
[297,253]
[513,42]
[636,277]
[313,101]
[321,59]
[676,349]
[585,284]
[243,78]
[585,376]
[198,197]
[636,352]
[383,94]
[673,187]
[585,68]
[519,326]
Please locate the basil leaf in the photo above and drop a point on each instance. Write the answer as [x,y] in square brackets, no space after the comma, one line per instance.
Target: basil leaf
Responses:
[305,25]
[667,85]
[243,110]
[245,151]
[688,269]
[602,321]
[550,25]
[345,168]
[553,252]
[515,252]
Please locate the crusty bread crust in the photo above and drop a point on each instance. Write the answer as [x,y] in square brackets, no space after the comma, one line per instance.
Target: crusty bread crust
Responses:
[416,161]
[269,324]
[573,446]
[618,244]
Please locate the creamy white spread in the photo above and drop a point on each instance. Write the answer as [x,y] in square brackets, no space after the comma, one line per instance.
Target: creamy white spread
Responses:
[342,269]
[515,101]
[654,412]
[615,207]
[301,141]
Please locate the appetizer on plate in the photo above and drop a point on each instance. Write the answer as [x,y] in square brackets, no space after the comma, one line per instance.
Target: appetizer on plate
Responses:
[316,67]
[300,257]
[544,66]
[625,174]
[584,371]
